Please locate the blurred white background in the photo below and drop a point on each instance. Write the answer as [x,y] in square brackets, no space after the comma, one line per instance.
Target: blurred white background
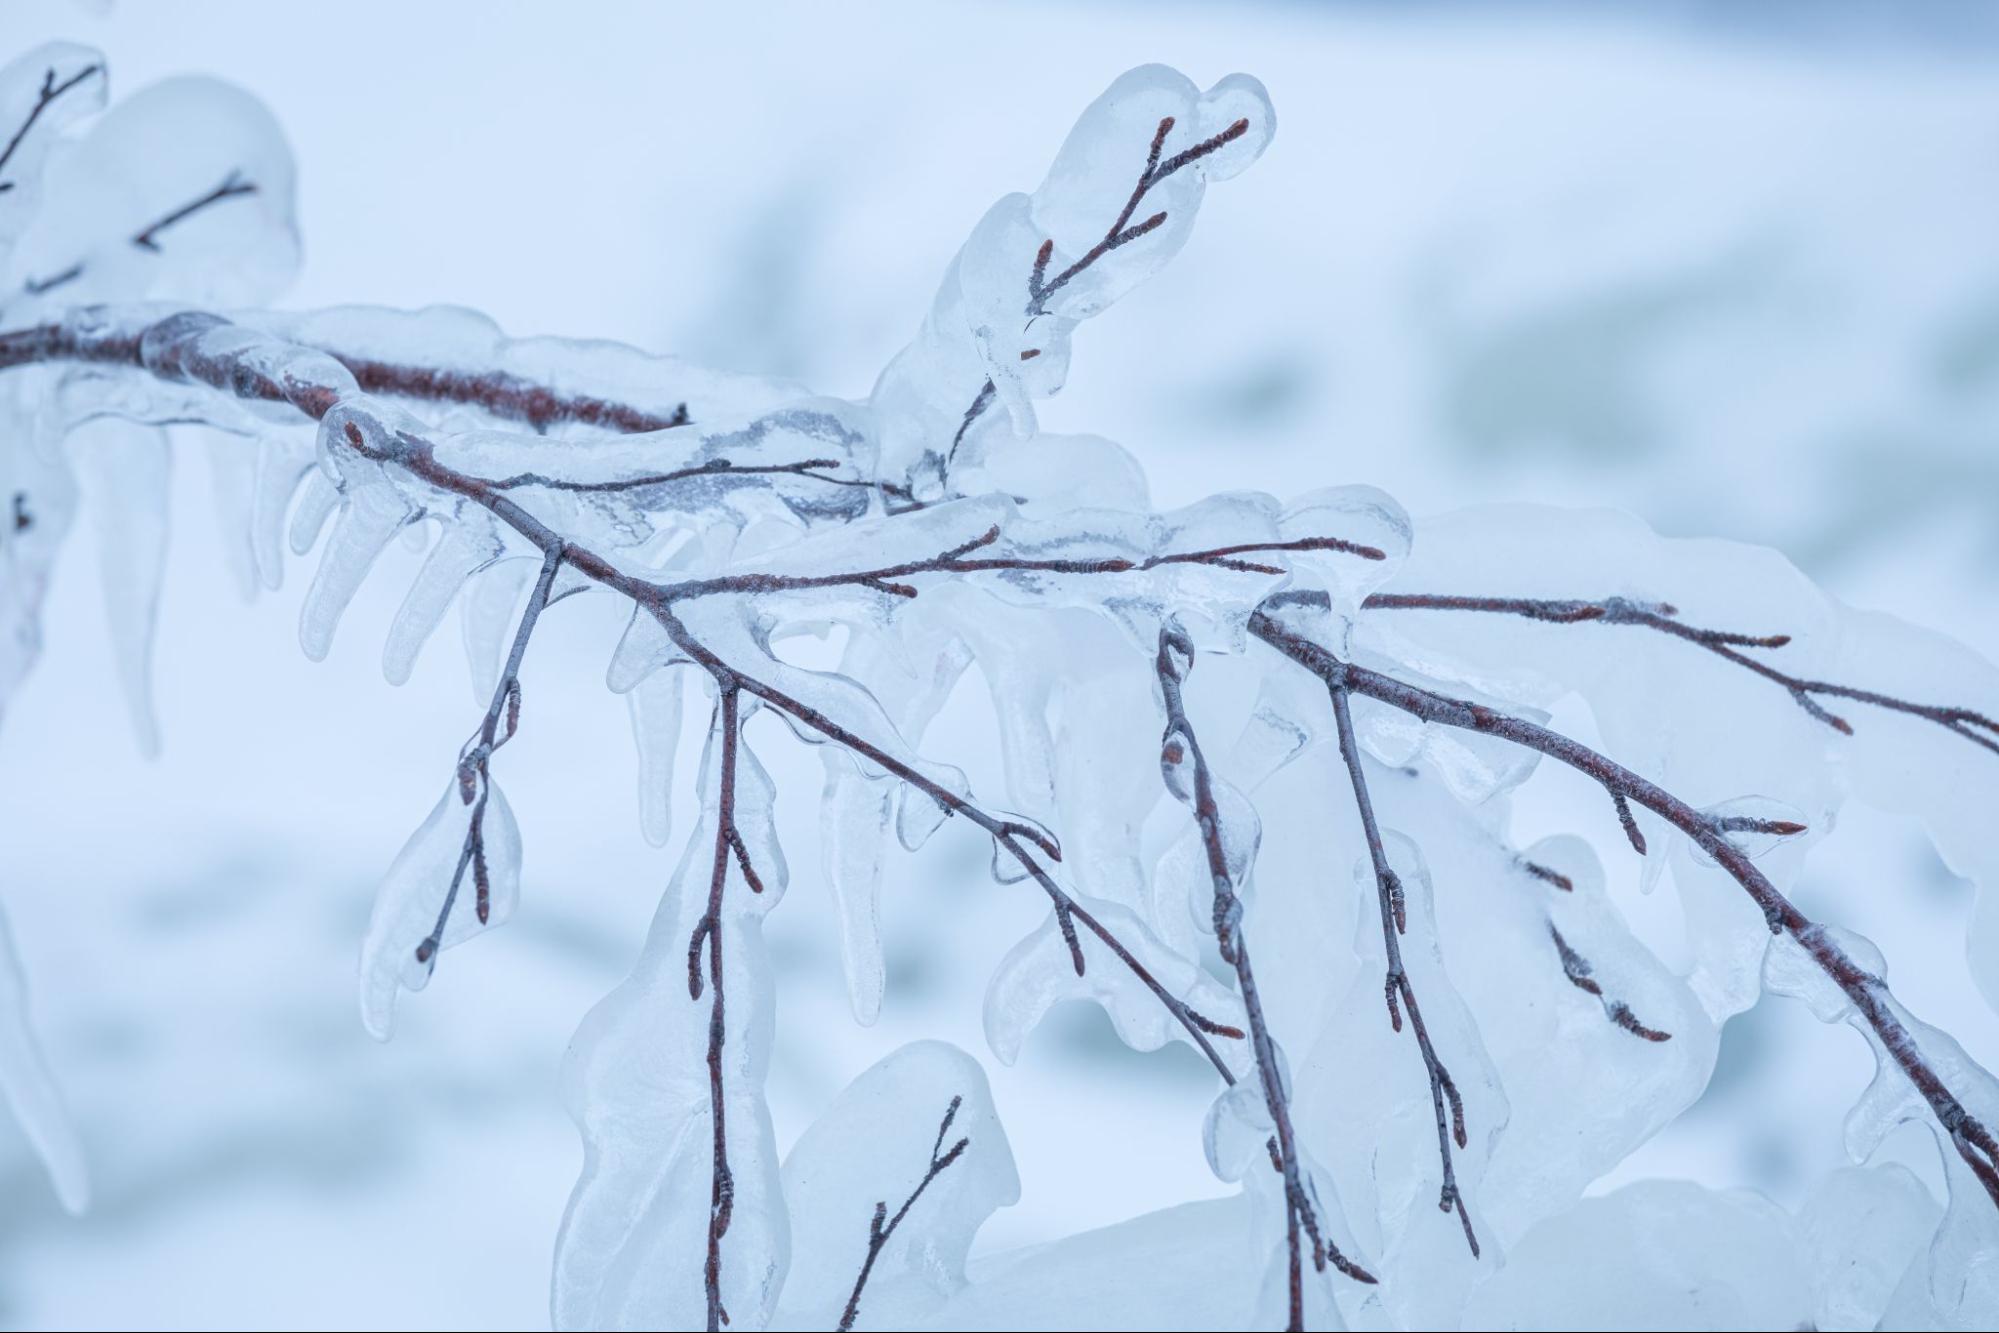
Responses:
[1730,266]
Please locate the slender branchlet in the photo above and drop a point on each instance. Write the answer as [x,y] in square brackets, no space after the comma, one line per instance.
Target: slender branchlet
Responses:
[1867,992]
[50,91]
[1122,232]
[882,1226]
[1180,752]
[1445,1101]
[1981,729]
[475,778]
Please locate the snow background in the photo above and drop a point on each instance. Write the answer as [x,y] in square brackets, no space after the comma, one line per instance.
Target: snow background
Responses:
[1740,277]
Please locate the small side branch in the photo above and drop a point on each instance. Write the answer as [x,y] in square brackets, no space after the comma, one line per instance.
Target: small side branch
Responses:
[960,560]
[1122,232]
[1981,729]
[1396,987]
[1180,747]
[51,90]
[882,1226]
[475,778]
[1582,976]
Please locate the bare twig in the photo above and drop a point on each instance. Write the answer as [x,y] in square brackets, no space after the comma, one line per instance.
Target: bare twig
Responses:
[1868,993]
[1394,924]
[1179,746]
[882,1226]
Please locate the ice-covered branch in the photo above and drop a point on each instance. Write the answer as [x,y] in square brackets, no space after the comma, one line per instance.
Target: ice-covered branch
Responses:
[881,1226]
[1185,769]
[51,91]
[1981,729]
[1122,231]
[1444,1098]
[729,850]
[1867,992]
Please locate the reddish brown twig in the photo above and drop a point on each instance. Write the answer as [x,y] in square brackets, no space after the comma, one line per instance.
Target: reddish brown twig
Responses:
[1122,232]
[1180,746]
[1394,924]
[1868,993]
[1980,729]
[1583,977]
[882,1226]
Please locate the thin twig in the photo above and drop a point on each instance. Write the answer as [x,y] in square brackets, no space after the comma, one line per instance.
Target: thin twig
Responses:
[708,931]
[475,779]
[1981,729]
[1395,923]
[233,186]
[882,1226]
[1180,746]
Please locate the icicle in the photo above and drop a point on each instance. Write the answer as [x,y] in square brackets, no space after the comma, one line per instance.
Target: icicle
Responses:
[125,485]
[656,707]
[852,816]
[370,518]
[486,617]
[462,550]
[283,462]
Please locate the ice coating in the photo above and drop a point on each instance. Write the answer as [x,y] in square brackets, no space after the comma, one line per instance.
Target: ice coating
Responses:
[431,898]
[1734,1264]
[637,1081]
[899,1106]
[43,91]
[182,191]
[1039,972]
[1001,319]
[936,529]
